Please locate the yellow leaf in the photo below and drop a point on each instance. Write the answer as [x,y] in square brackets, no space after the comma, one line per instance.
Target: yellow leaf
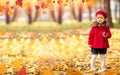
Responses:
[47,72]
[76,73]
[2,69]
[44,12]
[65,4]
[10,13]
[3,33]
[51,8]
[110,72]
[17,63]
[26,5]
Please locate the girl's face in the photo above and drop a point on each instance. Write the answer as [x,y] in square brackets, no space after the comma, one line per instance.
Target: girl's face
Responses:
[100,18]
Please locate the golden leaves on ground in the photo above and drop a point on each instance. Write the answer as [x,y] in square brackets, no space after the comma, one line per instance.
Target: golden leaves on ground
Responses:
[61,52]
[17,63]
[2,33]
[2,69]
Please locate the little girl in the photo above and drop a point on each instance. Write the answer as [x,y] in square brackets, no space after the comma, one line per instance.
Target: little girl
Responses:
[98,38]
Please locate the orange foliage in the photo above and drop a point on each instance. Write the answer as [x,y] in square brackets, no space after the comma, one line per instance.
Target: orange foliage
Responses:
[19,2]
[10,13]
[48,1]
[37,7]
[110,73]
[2,69]
[2,8]
[59,1]
[44,5]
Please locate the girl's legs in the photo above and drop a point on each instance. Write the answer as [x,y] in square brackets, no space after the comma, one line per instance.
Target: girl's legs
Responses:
[102,58]
[92,62]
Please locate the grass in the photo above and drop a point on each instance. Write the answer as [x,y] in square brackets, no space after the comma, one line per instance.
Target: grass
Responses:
[48,26]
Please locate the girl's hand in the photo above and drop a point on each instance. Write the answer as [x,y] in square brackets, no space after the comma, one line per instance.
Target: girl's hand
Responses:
[105,34]
[90,46]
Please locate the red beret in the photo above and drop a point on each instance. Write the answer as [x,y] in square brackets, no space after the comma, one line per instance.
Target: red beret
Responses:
[102,13]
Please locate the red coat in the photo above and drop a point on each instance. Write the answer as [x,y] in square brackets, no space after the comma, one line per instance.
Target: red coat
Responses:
[96,39]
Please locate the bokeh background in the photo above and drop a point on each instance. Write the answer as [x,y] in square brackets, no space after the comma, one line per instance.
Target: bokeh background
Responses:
[49,37]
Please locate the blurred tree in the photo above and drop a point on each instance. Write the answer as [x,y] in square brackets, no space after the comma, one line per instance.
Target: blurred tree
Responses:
[15,13]
[60,11]
[101,4]
[53,14]
[89,5]
[108,10]
[80,10]
[116,9]
[37,13]
[29,14]
[119,10]
[90,12]
[72,6]
[52,11]
[7,16]
[37,10]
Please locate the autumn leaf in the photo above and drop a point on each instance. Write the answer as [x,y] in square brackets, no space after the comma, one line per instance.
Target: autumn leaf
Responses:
[53,1]
[44,5]
[51,8]
[47,72]
[2,8]
[26,5]
[2,69]
[10,13]
[44,12]
[7,2]
[3,33]
[48,1]
[87,0]
[19,2]
[17,63]
[22,71]
[59,1]
[110,73]
[83,0]
[37,7]
[12,7]
[65,4]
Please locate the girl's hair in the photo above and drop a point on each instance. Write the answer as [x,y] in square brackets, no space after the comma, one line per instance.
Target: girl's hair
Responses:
[105,24]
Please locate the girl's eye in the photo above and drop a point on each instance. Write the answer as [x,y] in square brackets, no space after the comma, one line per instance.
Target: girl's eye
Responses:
[99,17]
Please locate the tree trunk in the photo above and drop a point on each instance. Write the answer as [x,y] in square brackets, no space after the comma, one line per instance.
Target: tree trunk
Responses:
[37,12]
[80,13]
[29,14]
[60,12]
[7,17]
[73,10]
[90,12]
[101,4]
[116,7]
[15,14]
[119,11]
[53,15]
[108,10]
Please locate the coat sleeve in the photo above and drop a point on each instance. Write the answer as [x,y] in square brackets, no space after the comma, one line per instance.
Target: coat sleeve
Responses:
[109,33]
[91,36]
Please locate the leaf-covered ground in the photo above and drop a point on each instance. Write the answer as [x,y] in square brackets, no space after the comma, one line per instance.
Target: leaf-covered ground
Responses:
[55,53]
